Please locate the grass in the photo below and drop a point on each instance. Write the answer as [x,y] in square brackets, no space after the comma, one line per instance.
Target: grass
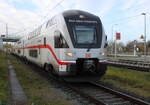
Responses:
[4,93]
[134,81]
[37,89]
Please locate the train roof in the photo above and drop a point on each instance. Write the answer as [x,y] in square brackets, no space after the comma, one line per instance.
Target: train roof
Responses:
[77,13]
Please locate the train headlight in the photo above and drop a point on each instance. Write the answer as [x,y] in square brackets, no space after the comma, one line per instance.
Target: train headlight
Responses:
[103,54]
[69,54]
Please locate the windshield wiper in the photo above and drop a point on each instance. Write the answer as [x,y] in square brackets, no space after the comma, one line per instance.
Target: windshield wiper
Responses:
[89,47]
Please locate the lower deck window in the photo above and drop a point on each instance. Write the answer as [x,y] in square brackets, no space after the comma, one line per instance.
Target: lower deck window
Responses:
[33,53]
[19,51]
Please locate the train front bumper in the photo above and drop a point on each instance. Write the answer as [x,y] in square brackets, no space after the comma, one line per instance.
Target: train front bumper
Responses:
[83,67]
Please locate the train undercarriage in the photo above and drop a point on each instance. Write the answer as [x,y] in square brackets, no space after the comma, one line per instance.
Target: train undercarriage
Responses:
[85,70]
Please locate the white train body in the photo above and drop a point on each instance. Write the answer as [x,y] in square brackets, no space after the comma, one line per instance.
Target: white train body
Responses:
[68,43]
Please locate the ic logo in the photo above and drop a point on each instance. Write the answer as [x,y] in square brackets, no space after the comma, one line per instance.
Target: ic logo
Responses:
[87,55]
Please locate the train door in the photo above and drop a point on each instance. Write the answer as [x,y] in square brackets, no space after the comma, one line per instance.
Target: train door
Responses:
[23,49]
[39,51]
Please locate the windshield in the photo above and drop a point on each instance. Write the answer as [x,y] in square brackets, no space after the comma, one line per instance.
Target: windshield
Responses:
[85,34]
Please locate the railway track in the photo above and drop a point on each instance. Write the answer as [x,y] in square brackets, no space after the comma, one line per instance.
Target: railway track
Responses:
[101,95]
[92,93]
[130,64]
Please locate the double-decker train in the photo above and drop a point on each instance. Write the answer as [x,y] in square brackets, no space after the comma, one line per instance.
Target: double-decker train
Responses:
[71,45]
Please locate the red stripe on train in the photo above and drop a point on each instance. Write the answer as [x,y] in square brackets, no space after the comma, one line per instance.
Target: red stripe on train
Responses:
[51,50]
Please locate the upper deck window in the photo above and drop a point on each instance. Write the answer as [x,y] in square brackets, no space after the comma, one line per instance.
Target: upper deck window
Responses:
[51,22]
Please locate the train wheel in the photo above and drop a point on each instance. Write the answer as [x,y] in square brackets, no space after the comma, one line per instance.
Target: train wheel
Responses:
[46,67]
[49,68]
[102,69]
[26,60]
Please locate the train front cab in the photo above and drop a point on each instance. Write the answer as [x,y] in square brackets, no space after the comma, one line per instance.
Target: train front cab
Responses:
[87,37]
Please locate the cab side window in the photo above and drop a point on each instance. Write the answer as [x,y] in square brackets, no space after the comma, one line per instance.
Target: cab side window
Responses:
[59,40]
[106,43]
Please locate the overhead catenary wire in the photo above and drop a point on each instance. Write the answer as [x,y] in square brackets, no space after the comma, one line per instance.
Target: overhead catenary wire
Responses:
[44,17]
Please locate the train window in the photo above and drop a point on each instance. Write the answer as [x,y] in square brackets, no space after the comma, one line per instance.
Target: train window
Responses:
[44,42]
[39,49]
[59,41]
[19,51]
[33,53]
[47,23]
[81,31]
[51,22]
[106,44]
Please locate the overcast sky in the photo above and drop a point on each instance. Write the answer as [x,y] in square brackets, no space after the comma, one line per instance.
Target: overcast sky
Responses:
[124,16]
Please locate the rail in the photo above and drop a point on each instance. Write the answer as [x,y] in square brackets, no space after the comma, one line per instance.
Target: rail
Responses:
[130,64]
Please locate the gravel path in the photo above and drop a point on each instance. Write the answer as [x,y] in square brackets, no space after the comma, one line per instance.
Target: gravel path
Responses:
[18,96]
